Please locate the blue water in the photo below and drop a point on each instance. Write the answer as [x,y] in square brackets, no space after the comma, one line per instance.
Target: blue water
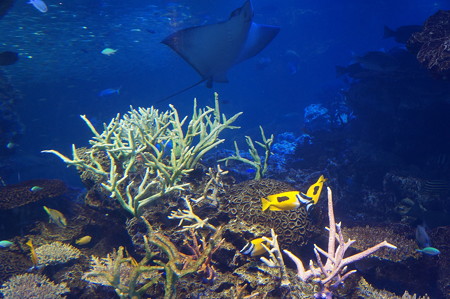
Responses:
[61,70]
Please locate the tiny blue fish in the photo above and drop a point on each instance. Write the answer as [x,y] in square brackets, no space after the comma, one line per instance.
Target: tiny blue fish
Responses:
[429,250]
[6,244]
[36,189]
[109,91]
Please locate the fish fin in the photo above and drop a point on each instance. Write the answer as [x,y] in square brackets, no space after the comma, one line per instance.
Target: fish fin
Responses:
[265,203]
[303,198]
[274,208]
[247,249]
[46,210]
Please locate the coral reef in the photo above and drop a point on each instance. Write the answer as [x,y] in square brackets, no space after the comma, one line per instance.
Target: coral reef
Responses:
[12,263]
[365,290]
[150,152]
[125,274]
[259,165]
[33,286]
[13,196]
[331,274]
[432,44]
[56,253]
[369,236]
[242,203]
[121,273]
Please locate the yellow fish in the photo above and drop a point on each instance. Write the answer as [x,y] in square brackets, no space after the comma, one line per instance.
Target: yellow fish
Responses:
[83,240]
[254,247]
[283,201]
[315,189]
[56,217]
[33,254]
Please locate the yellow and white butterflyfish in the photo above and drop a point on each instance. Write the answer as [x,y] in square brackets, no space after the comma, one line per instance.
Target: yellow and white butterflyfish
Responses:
[315,189]
[284,201]
[254,247]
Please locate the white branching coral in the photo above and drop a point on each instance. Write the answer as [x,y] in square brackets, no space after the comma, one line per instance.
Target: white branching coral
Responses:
[275,259]
[56,253]
[214,185]
[189,215]
[333,272]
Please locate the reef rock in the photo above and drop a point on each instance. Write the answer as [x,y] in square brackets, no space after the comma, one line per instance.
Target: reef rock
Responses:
[432,44]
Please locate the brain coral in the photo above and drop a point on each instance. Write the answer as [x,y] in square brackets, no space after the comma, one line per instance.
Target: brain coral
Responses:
[368,236]
[13,196]
[243,202]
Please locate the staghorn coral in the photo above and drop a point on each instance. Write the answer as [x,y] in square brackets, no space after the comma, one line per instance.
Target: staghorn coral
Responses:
[32,286]
[150,152]
[214,186]
[329,275]
[56,253]
[132,279]
[124,274]
[180,265]
[260,166]
[243,203]
[13,196]
[189,216]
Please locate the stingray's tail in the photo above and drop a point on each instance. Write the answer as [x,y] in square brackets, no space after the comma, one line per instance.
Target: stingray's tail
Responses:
[180,91]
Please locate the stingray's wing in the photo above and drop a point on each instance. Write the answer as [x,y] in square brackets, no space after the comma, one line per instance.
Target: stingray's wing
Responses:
[213,49]
[258,38]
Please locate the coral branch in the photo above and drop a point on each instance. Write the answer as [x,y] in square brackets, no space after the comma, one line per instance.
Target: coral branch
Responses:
[150,152]
[255,161]
[331,274]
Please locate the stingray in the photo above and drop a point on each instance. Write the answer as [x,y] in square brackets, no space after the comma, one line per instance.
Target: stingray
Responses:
[213,49]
